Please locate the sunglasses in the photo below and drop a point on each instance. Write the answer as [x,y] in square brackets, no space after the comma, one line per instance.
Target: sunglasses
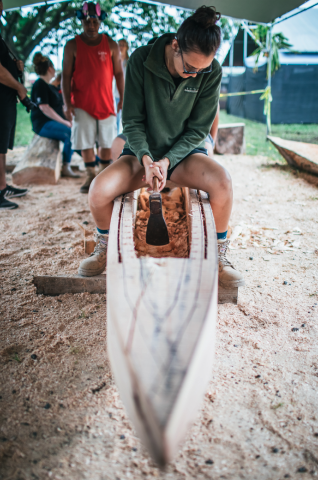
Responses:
[204,70]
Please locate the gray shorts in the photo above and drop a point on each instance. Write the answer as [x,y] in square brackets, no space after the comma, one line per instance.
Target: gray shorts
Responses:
[86,131]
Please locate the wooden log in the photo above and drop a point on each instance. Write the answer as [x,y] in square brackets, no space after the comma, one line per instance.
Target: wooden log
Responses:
[41,163]
[303,156]
[230,139]
[60,284]
[161,316]
[53,285]
[13,157]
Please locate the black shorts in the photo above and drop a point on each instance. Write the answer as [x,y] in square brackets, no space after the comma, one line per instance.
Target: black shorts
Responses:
[8,120]
[127,151]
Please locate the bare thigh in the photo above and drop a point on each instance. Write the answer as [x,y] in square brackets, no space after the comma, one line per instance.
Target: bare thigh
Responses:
[123,176]
[201,172]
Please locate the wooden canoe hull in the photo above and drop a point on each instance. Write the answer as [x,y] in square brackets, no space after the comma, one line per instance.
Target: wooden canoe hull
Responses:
[303,156]
[161,317]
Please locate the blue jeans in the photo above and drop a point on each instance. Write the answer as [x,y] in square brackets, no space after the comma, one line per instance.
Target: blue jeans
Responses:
[58,131]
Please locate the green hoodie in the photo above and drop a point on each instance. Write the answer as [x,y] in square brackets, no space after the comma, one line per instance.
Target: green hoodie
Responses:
[159,119]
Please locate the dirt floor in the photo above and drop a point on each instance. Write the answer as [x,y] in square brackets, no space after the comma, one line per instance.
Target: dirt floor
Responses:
[61,415]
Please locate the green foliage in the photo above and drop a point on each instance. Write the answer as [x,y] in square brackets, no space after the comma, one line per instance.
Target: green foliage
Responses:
[23,131]
[227,27]
[49,26]
[279,42]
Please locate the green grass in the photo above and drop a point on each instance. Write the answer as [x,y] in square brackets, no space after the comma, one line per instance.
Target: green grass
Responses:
[23,132]
[255,135]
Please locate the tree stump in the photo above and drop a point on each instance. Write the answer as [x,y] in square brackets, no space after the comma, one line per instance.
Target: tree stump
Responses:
[230,139]
[41,163]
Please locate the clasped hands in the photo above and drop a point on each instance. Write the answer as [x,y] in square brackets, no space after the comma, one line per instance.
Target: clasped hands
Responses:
[155,169]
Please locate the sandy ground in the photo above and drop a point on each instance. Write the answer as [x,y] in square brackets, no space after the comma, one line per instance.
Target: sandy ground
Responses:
[61,416]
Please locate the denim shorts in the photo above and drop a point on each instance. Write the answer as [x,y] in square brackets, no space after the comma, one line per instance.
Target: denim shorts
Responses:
[127,151]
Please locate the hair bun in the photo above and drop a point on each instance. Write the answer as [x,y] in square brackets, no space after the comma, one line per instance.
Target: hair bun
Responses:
[206,17]
[39,58]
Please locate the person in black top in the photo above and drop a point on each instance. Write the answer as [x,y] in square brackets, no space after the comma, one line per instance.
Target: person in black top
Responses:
[10,89]
[57,83]
[48,120]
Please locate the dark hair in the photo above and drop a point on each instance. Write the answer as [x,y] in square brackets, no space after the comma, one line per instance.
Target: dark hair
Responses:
[152,40]
[200,32]
[41,64]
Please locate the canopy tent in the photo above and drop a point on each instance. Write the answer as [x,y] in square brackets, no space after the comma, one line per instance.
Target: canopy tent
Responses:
[252,10]
[294,85]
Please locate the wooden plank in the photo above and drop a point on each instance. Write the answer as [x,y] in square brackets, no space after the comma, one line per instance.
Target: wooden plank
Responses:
[303,156]
[230,139]
[161,316]
[228,295]
[41,163]
[60,284]
[53,285]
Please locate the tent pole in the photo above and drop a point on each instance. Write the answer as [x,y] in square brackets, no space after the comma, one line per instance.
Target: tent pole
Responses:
[231,57]
[244,46]
[269,78]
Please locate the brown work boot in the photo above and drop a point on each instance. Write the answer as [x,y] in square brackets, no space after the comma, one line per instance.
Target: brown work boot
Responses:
[90,175]
[228,276]
[95,264]
[102,166]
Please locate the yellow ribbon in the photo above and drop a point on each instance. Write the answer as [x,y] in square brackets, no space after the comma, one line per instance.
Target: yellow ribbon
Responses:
[240,93]
[267,97]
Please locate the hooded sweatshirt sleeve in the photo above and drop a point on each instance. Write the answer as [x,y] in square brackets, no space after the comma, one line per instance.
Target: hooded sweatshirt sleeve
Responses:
[134,110]
[200,120]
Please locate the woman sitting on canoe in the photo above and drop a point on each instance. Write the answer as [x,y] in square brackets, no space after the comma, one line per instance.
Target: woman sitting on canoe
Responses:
[171,99]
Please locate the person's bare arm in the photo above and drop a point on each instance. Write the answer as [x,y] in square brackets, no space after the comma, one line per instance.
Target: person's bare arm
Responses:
[67,73]
[7,79]
[49,112]
[118,72]
[215,125]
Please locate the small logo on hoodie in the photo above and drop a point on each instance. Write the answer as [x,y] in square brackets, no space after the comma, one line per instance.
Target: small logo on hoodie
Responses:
[191,90]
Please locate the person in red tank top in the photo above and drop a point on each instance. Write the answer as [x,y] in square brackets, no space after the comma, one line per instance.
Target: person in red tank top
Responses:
[91,60]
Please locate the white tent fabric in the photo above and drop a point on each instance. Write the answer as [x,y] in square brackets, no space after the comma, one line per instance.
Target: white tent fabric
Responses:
[253,10]
[301,31]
